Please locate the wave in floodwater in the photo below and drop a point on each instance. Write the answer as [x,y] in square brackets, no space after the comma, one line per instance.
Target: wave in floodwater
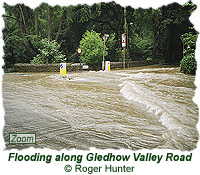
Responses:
[146,107]
[172,105]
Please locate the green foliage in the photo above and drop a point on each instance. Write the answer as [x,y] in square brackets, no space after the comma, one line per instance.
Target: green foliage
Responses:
[122,55]
[114,53]
[190,39]
[149,31]
[92,49]
[9,69]
[143,43]
[141,34]
[83,13]
[149,59]
[14,50]
[190,6]
[188,63]
[49,53]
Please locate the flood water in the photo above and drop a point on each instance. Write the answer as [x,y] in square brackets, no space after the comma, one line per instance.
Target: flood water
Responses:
[137,108]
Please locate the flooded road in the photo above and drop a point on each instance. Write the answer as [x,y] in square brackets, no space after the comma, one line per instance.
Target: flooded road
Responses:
[147,107]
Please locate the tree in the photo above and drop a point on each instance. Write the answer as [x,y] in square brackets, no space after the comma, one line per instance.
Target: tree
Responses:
[170,23]
[49,23]
[141,33]
[188,63]
[92,49]
[16,34]
[61,23]
[152,33]
[49,50]
[36,24]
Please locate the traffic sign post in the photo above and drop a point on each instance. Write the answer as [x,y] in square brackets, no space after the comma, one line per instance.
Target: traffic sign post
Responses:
[107,66]
[63,70]
[124,47]
[79,52]
[105,37]
[123,40]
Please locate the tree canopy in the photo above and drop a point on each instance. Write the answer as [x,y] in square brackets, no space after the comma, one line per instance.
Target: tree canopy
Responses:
[151,33]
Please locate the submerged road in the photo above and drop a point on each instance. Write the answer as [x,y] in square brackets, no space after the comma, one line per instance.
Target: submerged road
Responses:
[147,107]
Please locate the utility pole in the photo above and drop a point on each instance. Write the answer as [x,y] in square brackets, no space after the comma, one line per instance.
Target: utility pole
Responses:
[105,37]
[49,27]
[182,39]
[124,48]
[125,24]
[124,58]
[104,45]
[127,56]
[36,24]
[49,22]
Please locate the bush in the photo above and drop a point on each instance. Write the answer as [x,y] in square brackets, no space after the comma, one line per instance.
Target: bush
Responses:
[49,53]
[8,69]
[92,49]
[188,64]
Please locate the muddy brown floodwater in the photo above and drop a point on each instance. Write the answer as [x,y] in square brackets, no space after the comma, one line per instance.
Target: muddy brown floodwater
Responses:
[146,107]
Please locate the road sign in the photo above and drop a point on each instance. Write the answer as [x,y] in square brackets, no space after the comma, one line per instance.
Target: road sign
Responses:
[63,70]
[79,50]
[123,40]
[107,66]
[85,67]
